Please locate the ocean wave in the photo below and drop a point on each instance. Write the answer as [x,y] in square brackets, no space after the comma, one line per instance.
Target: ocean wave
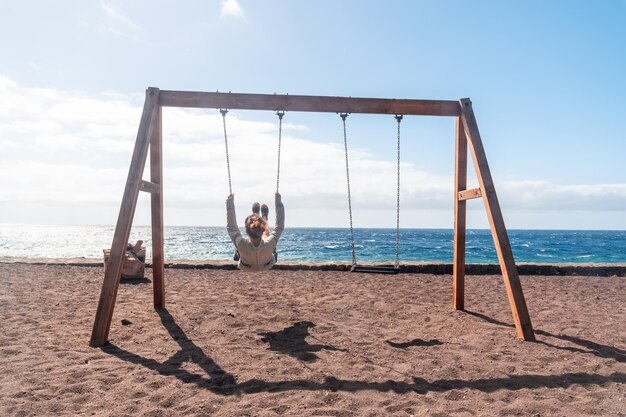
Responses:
[318,245]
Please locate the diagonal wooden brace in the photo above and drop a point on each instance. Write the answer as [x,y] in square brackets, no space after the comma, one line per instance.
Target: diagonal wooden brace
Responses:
[113,273]
[498,230]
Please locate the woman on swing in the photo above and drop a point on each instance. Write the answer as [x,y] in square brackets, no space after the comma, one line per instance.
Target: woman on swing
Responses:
[257,252]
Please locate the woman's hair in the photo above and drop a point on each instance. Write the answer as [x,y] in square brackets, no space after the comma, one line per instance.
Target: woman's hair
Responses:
[255,226]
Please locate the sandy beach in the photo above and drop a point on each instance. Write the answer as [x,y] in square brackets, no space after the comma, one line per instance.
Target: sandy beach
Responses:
[301,343]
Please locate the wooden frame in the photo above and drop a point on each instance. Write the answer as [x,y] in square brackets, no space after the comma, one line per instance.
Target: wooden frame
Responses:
[149,138]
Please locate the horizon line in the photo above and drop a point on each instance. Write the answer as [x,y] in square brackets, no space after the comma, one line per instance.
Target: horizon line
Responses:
[319,227]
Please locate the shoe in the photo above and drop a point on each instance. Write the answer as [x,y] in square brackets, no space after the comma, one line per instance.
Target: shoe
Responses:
[255,208]
[265,211]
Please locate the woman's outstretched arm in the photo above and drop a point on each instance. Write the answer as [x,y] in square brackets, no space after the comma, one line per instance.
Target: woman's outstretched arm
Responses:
[280,218]
[231,220]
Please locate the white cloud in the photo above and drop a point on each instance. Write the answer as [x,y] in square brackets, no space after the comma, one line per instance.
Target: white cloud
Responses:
[231,8]
[69,148]
[6,82]
[543,195]
[295,127]
[45,182]
[119,24]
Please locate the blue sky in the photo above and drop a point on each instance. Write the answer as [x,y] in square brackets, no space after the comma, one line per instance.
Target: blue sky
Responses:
[546,80]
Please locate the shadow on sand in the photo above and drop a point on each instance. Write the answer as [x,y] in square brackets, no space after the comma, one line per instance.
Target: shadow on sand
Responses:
[590,347]
[221,382]
[134,281]
[414,342]
[291,341]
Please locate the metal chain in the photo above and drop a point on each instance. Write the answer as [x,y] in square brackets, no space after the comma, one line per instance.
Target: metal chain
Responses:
[224,111]
[280,115]
[345,143]
[397,264]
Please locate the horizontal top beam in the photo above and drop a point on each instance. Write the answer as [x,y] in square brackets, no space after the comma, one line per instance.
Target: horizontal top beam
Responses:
[308,103]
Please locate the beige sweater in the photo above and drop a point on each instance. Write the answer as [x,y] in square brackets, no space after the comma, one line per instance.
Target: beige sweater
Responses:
[255,258]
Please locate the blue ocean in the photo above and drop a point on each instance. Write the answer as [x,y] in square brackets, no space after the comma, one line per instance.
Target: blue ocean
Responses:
[323,244]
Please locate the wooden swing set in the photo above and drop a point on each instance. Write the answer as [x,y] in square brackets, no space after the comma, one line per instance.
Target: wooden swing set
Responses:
[149,140]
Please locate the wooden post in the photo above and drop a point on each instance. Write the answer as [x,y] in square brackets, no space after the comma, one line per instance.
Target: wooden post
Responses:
[460,212]
[498,230]
[156,200]
[111,282]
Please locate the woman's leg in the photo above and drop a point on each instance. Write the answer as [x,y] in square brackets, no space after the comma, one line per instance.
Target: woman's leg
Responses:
[265,212]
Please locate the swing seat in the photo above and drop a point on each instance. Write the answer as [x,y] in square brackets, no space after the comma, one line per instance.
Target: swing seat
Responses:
[375,269]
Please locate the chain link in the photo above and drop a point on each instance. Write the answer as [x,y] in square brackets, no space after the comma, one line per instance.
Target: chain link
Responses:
[280,115]
[230,187]
[397,264]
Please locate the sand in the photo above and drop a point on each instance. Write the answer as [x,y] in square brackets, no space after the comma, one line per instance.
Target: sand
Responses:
[302,343]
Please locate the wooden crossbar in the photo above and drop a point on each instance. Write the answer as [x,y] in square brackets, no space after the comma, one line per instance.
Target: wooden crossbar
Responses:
[469,194]
[308,103]
[149,187]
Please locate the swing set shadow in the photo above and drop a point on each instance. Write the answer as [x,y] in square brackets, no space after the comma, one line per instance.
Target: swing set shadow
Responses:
[149,142]
[221,382]
[585,346]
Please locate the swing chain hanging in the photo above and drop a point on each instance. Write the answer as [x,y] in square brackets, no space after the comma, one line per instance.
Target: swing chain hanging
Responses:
[280,114]
[397,264]
[345,143]
[230,187]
